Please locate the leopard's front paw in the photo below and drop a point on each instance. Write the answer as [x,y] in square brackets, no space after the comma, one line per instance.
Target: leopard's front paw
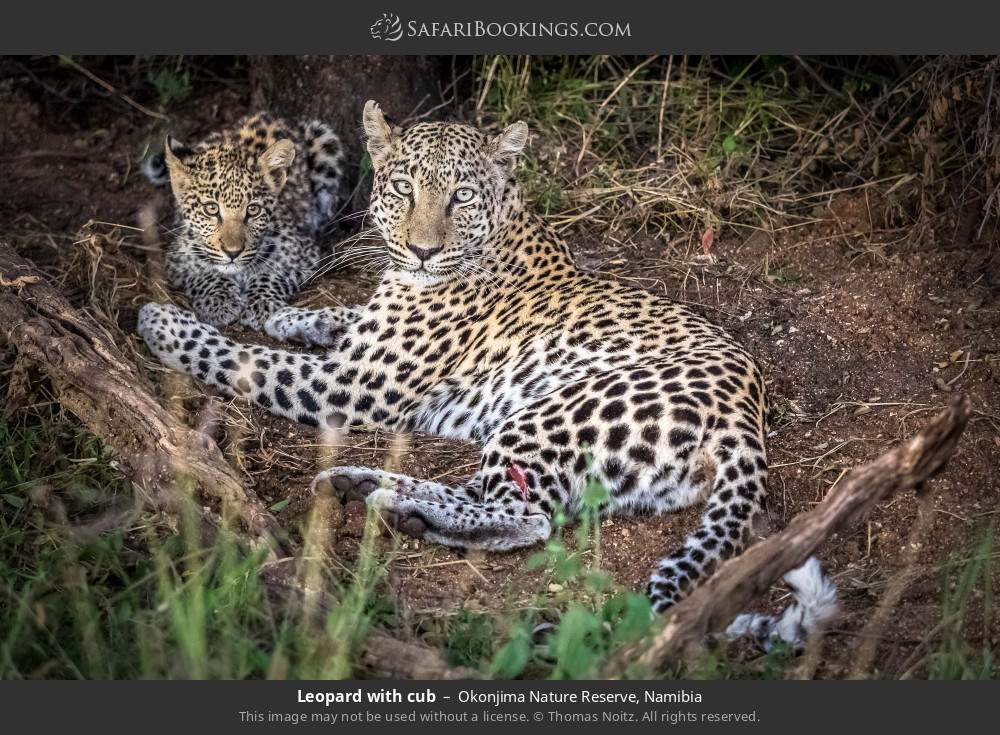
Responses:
[162,326]
[399,512]
[348,483]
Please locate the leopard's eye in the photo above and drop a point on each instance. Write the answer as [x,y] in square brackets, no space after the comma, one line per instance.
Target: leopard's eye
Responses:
[253,209]
[210,208]
[464,195]
[403,187]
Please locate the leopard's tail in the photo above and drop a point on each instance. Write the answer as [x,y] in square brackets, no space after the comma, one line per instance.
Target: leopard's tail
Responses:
[325,162]
[814,606]
[155,169]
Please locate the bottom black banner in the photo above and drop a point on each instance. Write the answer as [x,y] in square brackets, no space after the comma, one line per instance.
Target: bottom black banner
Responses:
[371,706]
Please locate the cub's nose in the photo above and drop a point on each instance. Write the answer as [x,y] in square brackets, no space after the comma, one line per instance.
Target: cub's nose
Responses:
[232,250]
[423,253]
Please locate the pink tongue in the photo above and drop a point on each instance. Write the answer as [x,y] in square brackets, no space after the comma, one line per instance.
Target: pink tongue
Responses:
[516,474]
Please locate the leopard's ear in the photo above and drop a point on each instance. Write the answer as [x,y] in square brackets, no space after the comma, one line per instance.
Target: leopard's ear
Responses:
[275,162]
[174,155]
[505,147]
[379,136]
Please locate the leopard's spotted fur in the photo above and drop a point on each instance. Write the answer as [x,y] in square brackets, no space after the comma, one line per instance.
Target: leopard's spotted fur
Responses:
[250,203]
[484,329]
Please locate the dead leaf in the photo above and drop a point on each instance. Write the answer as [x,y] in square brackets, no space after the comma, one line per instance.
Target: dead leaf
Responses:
[707,238]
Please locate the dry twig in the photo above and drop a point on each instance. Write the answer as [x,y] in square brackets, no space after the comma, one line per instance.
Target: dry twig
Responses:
[104,85]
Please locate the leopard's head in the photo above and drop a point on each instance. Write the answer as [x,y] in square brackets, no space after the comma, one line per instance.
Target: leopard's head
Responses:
[438,192]
[227,195]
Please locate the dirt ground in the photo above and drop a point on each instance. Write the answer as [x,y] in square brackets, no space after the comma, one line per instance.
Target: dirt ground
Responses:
[865,331]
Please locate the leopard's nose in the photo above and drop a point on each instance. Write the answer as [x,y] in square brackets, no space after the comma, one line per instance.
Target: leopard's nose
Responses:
[423,253]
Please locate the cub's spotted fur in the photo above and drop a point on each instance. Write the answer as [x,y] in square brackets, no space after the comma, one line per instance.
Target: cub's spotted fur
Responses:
[484,329]
[251,201]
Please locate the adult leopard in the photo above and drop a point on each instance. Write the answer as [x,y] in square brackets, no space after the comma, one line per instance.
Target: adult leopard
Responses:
[482,328]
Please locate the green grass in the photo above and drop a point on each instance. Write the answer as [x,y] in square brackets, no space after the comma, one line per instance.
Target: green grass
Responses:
[620,149]
[579,618]
[669,146]
[968,589]
[92,587]
[172,85]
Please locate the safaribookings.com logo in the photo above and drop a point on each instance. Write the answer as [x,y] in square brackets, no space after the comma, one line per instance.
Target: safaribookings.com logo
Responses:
[390,28]
[387,28]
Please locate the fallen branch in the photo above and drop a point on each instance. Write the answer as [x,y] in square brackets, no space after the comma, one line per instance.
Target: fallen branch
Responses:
[94,381]
[728,592]
[388,658]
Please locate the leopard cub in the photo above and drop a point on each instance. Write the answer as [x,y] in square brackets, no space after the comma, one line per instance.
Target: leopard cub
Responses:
[250,204]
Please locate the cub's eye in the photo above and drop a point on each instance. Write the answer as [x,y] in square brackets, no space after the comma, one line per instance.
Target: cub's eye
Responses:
[254,209]
[210,208]
[403,187]
[464,195]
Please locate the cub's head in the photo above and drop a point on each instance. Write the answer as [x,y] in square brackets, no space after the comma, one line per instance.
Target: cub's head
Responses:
[227,194]
[437,193]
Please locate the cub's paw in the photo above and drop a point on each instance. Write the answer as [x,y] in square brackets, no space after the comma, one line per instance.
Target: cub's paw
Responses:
[219,311]
[259,310]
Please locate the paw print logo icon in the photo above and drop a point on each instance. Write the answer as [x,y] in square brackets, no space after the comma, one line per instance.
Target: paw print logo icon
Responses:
[387,28]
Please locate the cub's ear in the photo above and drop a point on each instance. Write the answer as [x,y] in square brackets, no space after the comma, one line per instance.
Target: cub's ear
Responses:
[505,147]
[378,134]
[174,154]
[275,162]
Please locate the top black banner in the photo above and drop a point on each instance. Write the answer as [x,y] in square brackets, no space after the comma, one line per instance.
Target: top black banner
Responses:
[511,26]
